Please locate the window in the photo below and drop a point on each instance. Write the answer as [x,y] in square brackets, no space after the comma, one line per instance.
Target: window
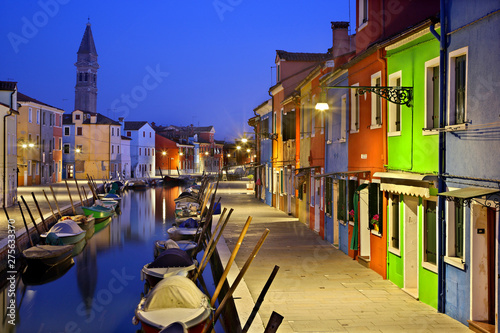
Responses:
[363,13]
[79,149]
[29,137]
[302,115]
[112,131]
[29,168]
[129,134]
[60,144]
[66,130]
[375,208]
[328,196]
[150,165]
[274,123]
[30,115]
[354,109]
[432,94]
[150,136]
[341,202]
[117,132]
[352,189]
[66,148]
[312,118]
[457,111]
[394,214]
[343,119]
[79,131]
[430,231]
[117,149]
[37,140]
[153,151]
[455,235]
[394,109]
[264,126]
[37,169]
[112,149]
[288,125]
[43,118]
[143,134]
[139,151]
[38,116]
[77,116]
[376,101]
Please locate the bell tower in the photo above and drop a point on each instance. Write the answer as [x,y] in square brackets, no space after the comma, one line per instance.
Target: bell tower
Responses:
[86,74]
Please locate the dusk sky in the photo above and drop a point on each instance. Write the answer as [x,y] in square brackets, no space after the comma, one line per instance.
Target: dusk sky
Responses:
[212,59]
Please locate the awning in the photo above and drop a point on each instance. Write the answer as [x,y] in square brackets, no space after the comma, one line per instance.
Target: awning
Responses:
[406,175]
[341,174]
[405,189]
[469,192]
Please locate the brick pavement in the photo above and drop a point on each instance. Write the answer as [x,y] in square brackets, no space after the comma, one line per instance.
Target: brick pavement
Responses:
[318,288]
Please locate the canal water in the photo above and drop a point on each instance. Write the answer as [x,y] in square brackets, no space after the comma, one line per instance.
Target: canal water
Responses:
[100,291]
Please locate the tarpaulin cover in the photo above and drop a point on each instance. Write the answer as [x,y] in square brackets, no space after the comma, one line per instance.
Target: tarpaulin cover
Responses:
[172,258]
[189,223]
[175,292]
[66,227]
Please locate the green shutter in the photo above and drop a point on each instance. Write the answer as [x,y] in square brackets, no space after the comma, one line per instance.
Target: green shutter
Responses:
[352,189]
[395,221]
[341,208]
[430,233]
[328,196]
[459,229]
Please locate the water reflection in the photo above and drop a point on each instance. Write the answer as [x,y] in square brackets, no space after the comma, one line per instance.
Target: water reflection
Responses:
[101,290]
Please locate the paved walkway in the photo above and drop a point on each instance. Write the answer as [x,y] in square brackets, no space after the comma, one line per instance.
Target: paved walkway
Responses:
[318,288]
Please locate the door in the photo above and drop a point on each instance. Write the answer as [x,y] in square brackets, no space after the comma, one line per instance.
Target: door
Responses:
[69,171]
[364,228]
[317,202]
[483,233]
[335,215]
[25,177]
[411,245]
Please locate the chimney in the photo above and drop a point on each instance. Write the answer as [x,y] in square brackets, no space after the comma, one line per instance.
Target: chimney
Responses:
[341,40]
[93,118]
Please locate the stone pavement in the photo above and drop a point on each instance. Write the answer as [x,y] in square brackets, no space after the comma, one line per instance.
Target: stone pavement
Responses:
[318,288]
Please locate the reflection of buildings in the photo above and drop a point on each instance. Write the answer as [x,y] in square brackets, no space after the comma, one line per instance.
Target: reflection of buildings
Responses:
[164,199]
[142,214]
[86,268]
[4,302]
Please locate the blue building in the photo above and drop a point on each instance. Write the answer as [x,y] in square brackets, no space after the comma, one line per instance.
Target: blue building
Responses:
[68,149]
[470,132]
[264,170]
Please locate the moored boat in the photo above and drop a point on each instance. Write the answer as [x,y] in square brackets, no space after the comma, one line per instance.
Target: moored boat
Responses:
[186,245]
[100,213]
[174,299]
[47,255]
[67,231]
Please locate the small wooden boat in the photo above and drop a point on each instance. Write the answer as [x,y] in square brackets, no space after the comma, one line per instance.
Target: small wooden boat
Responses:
[109,196]
[100,213]
[179,220]
[47,255]
[37,276]
[186,245]
[174,299]
[138,184]
[186,230]
[173,181]
[67,232]
[173,261]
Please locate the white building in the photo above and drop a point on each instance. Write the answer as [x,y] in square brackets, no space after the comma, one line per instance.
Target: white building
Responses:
[142,148]
[126,161]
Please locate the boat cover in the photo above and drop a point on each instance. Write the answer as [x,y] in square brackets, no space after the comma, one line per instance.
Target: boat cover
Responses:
[46,251]
[66,227]
[172,258]
[175,292]
[189,223]
[76,218]
[169,244]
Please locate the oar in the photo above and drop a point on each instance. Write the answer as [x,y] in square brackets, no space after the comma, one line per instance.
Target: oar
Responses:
[50,206]
[210,250]
[274,322]
[230,262]
[260,299]
[55,200]
[79,194]
[85,192]
[236,281]
[92,190]
[39,211]
[15,236]
[31,215]
[70,199]
[25,225]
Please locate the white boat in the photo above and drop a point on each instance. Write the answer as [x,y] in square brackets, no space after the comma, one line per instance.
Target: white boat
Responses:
[67,231]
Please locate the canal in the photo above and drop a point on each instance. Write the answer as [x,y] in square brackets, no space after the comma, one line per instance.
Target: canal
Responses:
[100,291]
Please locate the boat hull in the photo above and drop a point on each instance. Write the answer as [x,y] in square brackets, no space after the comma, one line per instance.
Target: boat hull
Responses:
[99,215]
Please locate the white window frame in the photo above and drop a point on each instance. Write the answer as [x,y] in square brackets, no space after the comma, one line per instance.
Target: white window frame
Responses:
[391,124]
[429,96]
[38,116]
[374,99]
[354,96]
[390,224]
[450,257]
[451,86]
[343,118]
[30,115]
[361,11]
[64,130]
[425,264]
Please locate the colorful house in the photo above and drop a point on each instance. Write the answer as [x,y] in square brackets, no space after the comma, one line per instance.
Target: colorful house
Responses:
[142,147]
[8,142]
[264,137]
[167,155]
[469,130]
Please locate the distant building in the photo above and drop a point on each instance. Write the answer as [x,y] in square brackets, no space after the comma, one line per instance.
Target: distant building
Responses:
[142,147]
[8,142]
[86,74]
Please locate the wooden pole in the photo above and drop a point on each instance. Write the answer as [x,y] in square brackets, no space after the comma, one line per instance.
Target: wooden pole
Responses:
[31,215]
[92,190]
[39,211]
[273,323]
[25,225]
[79,194]
[211,250]
[50,206]
[237,280]
[70,199]
[8,218]
[85,192]
[230,261]
[260,299]
[55,200]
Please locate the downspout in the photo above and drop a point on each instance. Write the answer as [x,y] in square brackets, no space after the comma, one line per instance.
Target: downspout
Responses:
[9,113]
[442,156]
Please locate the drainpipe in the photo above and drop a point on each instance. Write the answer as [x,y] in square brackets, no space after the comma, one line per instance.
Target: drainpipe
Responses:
[442,156]
[9,113]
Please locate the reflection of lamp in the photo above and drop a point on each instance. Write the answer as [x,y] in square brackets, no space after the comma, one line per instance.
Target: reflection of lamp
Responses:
[248,150]
[206,153]
[181,153]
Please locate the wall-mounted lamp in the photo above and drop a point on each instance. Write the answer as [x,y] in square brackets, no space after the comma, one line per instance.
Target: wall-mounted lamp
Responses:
[322,105]
[164,153]
[24,145]
[206,153]
[77,150]
[244,140]
[238,147]
[248,150]
[181,153]
[228,155]
[31,145]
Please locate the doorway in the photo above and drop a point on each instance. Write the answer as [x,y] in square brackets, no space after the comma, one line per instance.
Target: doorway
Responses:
[411,245]
[364,232]
[69,171]
[335,214]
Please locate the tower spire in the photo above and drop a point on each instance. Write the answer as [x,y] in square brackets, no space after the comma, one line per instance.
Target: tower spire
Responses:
[86,73]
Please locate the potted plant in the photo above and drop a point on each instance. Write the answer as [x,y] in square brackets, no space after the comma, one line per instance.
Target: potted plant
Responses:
[374,222]
[351,215]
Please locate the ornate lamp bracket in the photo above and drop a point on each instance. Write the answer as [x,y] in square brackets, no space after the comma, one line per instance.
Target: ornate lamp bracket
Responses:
[396,95]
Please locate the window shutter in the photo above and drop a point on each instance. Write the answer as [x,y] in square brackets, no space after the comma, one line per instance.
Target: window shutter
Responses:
[430,233]
[341,208]
[459,230]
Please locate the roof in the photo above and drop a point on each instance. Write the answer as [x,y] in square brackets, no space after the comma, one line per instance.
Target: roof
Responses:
[24,98]
[8,85]
[101,119]
[125,138]
[133,125]
[87,45]
[301,56]
[203,129]
[470,192]
[67,119]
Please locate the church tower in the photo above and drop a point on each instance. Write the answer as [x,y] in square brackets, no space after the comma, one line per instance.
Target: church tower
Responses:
[86,74]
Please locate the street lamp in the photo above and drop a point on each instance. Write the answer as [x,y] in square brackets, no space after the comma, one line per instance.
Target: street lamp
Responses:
[244,140]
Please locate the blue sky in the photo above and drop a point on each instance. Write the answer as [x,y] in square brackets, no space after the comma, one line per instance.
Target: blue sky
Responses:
[212,58]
